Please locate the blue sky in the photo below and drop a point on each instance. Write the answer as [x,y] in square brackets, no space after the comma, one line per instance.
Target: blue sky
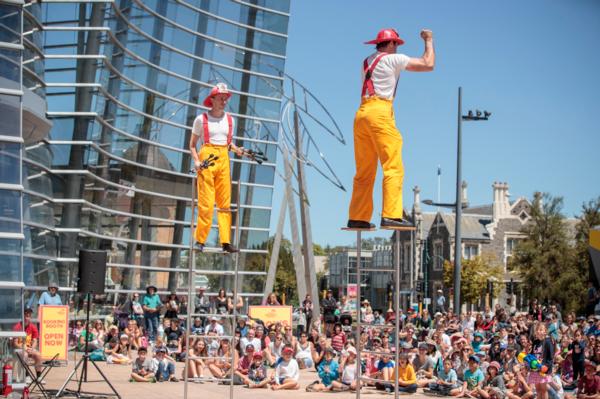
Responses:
[534,64]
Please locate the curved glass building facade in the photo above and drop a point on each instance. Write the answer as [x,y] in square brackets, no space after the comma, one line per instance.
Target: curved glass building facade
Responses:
[122,82]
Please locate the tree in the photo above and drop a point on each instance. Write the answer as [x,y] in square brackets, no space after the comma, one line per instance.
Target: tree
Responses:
[285,277]
[544,259]
[475,274]
[318,250]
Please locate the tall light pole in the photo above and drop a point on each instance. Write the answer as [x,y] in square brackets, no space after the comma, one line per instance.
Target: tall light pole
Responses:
[458,204]
[457,233]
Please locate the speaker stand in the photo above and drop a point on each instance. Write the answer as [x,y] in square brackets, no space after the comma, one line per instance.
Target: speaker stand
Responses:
[83,363]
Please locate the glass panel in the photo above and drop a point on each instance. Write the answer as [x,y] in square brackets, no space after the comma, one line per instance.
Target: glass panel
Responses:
[10,109]
[11,304]
[10,158]
[10,267]
[10,23]
[10,69]
[10,211]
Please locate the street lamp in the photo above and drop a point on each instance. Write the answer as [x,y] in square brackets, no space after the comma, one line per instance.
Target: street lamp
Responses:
[476,115]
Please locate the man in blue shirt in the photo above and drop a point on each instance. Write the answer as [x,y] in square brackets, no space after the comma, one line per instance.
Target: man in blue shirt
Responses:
[151,305]
[51,297]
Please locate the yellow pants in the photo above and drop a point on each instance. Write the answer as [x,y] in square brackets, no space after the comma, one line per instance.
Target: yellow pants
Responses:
[376,138]
[214,185]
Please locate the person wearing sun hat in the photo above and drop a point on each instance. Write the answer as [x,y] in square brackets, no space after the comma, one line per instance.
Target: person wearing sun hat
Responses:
[151,304]
[375,135]
[493,386]
[214,130]
[51,297]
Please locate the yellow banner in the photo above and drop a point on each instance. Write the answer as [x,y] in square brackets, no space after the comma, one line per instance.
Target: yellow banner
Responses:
[272,314]
[54,331]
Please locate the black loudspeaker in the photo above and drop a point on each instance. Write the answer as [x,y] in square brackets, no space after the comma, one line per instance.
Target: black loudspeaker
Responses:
[92,271]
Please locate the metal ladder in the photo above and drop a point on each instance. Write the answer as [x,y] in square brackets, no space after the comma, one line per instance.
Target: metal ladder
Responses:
[396,270]
[192,271]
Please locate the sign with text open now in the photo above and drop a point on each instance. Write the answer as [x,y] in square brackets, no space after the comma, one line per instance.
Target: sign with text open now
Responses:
[272,314]
[54,331]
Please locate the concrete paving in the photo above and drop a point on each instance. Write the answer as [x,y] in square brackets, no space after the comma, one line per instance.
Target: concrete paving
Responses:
[119,377]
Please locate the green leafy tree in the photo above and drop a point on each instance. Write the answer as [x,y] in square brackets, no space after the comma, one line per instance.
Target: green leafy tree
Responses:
[475,274]
[285,277]
[544,259]
[318,250]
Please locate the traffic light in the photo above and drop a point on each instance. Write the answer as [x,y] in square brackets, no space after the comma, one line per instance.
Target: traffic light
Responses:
[419,286]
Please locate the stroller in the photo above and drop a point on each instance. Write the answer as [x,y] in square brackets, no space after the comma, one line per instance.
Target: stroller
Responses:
[346,322]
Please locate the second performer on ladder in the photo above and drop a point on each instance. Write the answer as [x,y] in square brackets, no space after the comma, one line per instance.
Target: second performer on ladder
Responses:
[376,137]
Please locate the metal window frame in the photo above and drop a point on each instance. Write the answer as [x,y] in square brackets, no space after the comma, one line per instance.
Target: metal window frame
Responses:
[230,21]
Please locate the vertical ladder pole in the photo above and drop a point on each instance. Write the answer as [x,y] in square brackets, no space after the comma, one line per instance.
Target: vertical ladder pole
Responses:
[358,328]
[190,282]
[235,285]
[397,311]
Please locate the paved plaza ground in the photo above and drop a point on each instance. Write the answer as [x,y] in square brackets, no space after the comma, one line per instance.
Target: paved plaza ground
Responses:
[119,376]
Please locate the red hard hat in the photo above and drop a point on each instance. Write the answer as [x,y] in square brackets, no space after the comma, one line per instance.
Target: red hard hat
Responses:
[220,88]
[386,35]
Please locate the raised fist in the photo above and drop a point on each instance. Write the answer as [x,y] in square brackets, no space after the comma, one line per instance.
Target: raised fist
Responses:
[426,34]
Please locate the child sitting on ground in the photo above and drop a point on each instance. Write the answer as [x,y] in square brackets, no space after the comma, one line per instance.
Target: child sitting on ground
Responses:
[117,350]
[407,379]
[257,374]
[287,372]
[141,370]
[446,379]
[473,380]
[328,372]
[164,366]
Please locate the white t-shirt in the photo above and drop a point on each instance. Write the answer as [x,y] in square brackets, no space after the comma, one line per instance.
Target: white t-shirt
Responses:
[349,373]
[218,128]
[386,73]
[287,370]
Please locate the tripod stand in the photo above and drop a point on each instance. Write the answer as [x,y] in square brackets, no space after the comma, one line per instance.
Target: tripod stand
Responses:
[83,363]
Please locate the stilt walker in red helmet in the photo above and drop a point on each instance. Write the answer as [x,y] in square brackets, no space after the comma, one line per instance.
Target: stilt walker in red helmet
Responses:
[215,131]
[375,135]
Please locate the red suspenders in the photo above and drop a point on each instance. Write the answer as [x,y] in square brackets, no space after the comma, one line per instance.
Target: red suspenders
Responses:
[368,82]
[205,124]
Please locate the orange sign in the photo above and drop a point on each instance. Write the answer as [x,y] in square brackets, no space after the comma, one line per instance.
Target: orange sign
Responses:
[54,331]
[272,314]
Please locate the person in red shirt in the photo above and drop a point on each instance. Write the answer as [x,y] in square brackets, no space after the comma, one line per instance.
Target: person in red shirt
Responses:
[29,344]
[338,339]
[588,386]
[244,363]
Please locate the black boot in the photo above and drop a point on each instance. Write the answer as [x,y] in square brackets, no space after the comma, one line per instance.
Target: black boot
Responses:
[390,222]
[229,248]
[359,224]
[198,246]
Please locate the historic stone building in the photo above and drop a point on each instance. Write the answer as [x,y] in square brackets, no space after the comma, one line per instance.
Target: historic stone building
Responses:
[491,229]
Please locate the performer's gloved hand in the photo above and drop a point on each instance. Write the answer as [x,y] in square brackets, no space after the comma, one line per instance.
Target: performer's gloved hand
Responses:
[426,34]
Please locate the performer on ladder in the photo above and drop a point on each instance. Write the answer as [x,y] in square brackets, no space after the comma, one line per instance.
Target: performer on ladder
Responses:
[215,130]
[375,134]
